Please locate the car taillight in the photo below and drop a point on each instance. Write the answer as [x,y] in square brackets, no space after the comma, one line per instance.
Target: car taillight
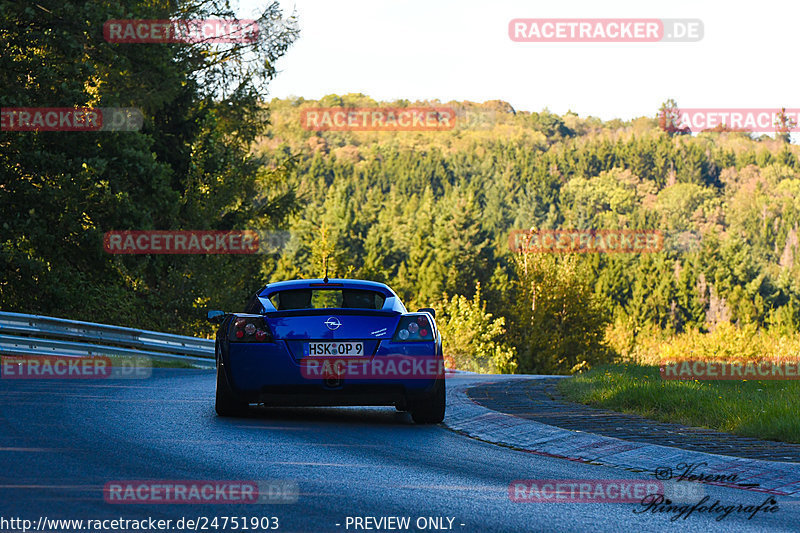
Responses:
[249,329]
[413,328]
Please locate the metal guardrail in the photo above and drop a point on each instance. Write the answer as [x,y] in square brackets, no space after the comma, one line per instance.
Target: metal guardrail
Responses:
[24,335]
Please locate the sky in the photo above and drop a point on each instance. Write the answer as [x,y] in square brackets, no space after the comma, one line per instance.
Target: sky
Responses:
[461,50]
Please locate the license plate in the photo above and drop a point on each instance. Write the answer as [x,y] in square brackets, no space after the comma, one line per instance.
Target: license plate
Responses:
[331,349]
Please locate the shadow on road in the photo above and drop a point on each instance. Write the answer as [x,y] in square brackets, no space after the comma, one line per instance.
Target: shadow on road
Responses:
[378,416]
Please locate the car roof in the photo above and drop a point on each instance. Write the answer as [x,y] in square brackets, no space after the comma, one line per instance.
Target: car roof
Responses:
[333,283]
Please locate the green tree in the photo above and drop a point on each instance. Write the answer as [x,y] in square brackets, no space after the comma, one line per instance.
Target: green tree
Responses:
[190,167]
[784,126]
[669,119]
[472,339]
[557,324]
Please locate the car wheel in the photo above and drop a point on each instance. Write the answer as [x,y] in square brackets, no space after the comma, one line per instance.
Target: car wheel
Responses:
[226,404]
[430,410]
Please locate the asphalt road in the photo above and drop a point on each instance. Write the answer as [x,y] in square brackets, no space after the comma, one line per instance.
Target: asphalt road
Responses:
[62,441]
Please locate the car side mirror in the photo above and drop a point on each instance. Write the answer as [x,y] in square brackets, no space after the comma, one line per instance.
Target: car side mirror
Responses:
[216,317]
[427,310]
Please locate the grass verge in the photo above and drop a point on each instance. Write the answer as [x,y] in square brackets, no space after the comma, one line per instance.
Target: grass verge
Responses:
[765,410]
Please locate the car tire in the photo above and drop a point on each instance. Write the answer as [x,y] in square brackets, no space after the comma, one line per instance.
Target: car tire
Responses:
[431,410]
[226,404]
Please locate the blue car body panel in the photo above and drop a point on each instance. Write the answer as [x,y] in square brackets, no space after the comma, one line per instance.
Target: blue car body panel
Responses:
[271,371]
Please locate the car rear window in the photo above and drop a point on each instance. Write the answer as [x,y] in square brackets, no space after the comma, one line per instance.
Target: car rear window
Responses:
[326,299]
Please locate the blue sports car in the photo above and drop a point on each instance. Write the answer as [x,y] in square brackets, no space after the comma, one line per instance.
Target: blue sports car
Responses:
[329,342]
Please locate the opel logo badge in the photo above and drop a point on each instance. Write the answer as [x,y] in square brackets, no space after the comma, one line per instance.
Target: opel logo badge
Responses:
[333,323]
